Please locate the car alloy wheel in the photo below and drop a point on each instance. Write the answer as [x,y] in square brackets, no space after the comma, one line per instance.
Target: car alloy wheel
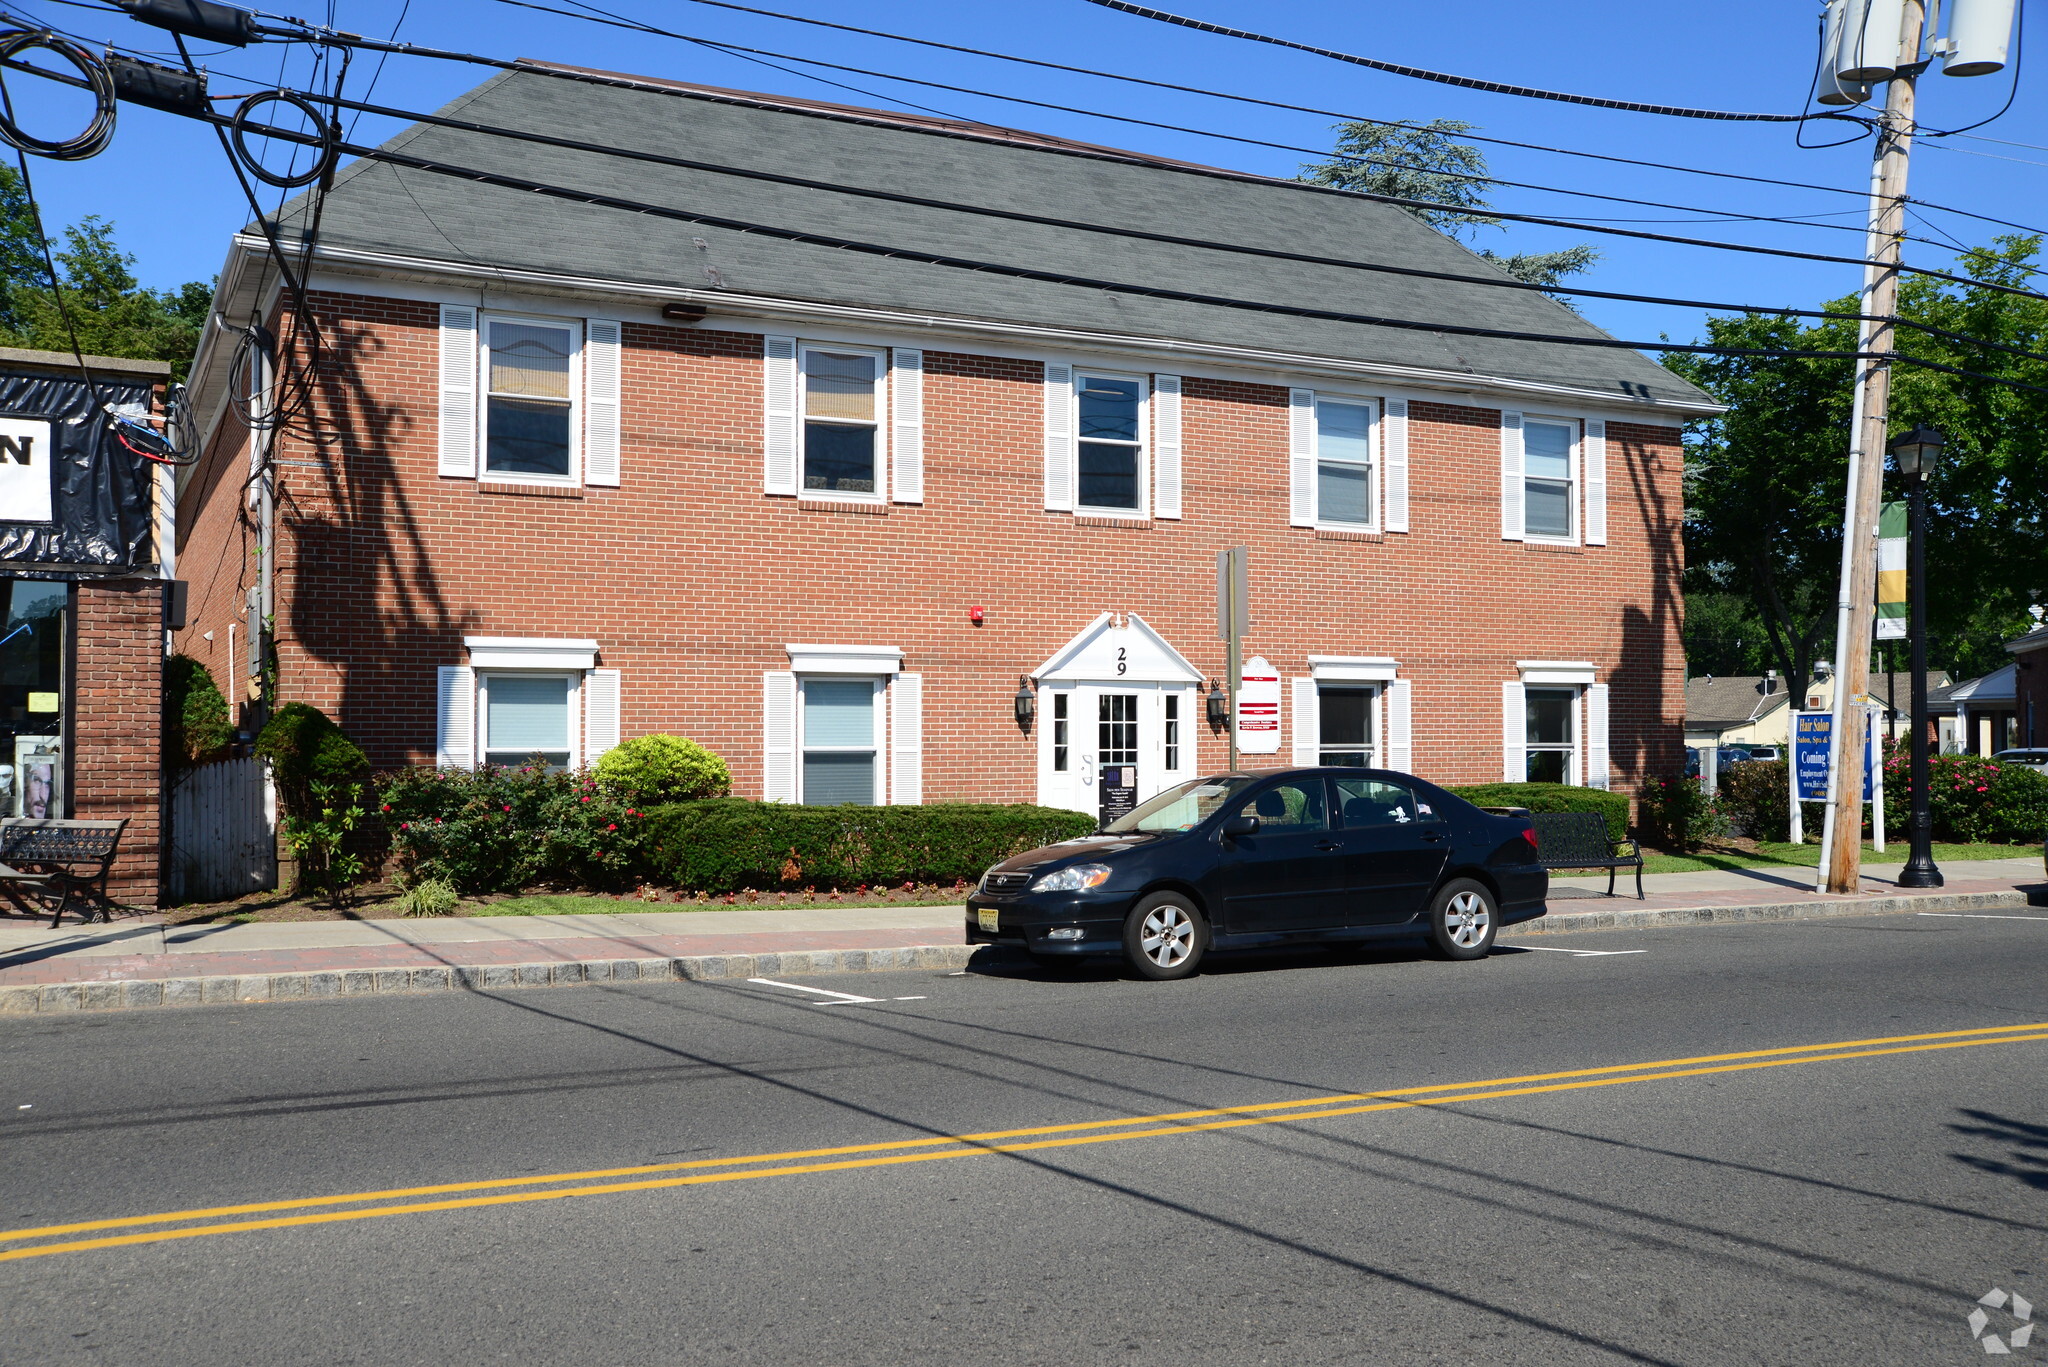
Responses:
[1165,937]
[1463,920]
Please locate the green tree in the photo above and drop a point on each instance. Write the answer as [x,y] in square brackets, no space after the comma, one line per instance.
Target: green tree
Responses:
[112,313]
[1724,635]
[1428,162]
[1765,480]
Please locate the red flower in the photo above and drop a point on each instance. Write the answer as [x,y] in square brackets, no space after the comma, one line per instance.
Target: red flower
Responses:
[387,806]
[613,827]
[586,799]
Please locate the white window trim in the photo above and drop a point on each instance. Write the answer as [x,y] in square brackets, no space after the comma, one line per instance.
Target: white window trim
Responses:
[879,745]
[1376,747]
[482,746]
[1575,463]
[883,421]
[870,660]
[574,479]
[1575,757]
[1547,673]
[1375,441]
[1353,668]
[530,653]
[1143,512]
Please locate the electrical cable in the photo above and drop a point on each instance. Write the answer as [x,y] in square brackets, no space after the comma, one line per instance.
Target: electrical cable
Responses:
[93,139]
[1466,82]
[1143,235]
[322,163]
[803,237]
[615,22]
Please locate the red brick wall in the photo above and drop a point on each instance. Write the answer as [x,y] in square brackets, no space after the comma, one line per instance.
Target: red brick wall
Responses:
[117,724]
[693,581]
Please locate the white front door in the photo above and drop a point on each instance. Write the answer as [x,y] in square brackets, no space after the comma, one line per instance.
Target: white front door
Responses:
[1104,746]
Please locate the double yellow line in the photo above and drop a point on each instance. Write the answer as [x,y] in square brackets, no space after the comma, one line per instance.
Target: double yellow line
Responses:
[193,1224]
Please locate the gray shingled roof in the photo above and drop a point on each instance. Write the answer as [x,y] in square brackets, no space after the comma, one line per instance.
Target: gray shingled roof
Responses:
[420,214]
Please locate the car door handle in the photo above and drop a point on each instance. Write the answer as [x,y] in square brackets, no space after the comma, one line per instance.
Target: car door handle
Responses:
[1434,836]
[1328,845]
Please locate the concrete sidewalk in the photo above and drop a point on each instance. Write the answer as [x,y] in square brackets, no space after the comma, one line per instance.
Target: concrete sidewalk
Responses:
[145,963]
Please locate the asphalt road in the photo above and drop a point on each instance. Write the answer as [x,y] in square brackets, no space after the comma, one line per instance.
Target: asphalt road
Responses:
[1837,1202]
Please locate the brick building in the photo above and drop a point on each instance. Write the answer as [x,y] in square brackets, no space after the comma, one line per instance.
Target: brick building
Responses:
[580,473]
[86,596]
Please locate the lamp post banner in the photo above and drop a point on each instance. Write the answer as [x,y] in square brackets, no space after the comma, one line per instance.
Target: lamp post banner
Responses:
[1891,573]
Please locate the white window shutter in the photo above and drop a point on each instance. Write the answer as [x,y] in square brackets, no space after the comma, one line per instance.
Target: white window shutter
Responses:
[1596,482]
[600,712]
[455,718]
[778,736]
[1514,734]
[1307,723]
[1397,466]
[1301,457]
[778,431]
[1059,438]
[602,345]
[906,740]
[458,391]
[1166,446]
[1596,736]
[1511,486]
[1400,727]
[906,369]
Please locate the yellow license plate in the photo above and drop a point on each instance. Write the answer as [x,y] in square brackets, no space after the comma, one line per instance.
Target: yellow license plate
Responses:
[988,918]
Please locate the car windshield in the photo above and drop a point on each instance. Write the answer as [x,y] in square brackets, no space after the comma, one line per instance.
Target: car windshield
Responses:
[1179,808]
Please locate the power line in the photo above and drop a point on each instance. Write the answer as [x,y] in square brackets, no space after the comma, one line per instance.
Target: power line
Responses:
[1467,82]
[1265,103]
[882,250]
[1138,234]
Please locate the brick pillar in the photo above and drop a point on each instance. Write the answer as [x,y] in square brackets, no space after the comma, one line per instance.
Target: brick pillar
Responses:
[117,724]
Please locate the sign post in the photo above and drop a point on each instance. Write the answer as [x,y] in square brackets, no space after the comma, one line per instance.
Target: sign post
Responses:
[1233,618]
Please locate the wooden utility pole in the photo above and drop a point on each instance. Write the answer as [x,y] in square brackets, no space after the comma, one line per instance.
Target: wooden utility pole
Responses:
[1842,838]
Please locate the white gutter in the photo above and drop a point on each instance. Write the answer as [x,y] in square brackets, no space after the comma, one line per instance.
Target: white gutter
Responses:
[770,307]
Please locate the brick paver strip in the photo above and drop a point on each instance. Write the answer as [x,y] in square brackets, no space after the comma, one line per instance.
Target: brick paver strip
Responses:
[41,980]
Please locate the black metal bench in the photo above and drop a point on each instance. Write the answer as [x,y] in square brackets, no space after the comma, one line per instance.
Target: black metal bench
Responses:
[51,866]
[1579,840]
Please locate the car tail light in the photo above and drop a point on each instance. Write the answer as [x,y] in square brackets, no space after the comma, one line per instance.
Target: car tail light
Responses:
[1529,834]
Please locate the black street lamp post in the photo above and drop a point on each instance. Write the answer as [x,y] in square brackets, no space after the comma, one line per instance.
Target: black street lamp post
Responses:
[1916,453]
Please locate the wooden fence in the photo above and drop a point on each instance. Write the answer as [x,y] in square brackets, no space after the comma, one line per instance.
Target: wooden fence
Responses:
[223,832]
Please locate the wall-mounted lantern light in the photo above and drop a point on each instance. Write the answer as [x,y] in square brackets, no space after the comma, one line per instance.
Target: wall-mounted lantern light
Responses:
[1025,702]
[1219,706]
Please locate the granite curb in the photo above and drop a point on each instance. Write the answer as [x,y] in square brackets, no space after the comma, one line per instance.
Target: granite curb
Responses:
[237,989]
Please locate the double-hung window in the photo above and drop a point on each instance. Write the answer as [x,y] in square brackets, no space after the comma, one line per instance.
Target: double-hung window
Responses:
[1061,736]
[1344,729]
[841,734]
[842,422]
[528,718]
[1344,466]
[1552,734]
[1112,444]
[1550,479]
[531,382]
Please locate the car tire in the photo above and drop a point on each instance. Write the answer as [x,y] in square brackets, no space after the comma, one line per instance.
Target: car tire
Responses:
[1463,919]
[1165,937]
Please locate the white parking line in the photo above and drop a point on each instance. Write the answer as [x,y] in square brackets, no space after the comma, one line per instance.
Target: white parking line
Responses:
[1582,953]
[843,998]
[1976,916]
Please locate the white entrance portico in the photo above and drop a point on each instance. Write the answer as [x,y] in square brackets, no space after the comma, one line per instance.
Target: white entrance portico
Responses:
[1118,712]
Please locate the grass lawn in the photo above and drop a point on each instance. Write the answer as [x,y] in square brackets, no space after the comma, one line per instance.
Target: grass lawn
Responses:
[1777,855]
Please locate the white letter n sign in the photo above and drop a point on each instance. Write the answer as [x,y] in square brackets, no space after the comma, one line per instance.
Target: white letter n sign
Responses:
[25,468]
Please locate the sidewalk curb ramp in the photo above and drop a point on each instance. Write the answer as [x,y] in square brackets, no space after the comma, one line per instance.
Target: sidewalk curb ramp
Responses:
[238,989]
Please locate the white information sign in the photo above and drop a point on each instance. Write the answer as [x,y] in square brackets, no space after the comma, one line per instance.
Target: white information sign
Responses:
[25,468]
[1258,708]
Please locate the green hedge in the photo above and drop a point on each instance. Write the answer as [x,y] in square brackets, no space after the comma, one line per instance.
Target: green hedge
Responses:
[725,844]
[1552,797]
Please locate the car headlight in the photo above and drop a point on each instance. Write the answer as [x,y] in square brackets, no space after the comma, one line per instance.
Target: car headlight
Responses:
[1073,878]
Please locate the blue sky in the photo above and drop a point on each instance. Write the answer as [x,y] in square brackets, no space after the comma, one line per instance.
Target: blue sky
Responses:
[166,186]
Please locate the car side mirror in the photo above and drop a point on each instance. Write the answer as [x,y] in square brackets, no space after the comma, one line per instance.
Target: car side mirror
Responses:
[1240,825]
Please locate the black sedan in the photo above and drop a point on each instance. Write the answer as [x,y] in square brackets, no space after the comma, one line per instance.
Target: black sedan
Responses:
[1242,860]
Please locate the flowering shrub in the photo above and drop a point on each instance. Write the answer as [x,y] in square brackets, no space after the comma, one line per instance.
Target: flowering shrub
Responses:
[502,829]
[1678,814]
[1968,796]
[650,770]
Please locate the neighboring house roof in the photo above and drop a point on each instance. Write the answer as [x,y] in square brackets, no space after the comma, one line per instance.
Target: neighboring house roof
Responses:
[383,217]
[1992,689]
[1886,686]
[2037,639]
[1729,700]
